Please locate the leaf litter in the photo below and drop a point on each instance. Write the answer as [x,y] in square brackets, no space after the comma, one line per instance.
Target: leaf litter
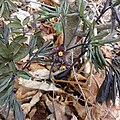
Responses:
[41,99]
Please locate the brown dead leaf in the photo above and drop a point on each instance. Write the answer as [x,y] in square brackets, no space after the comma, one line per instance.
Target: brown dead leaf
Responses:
[23,93]
[79,77]
[107,52]
[91,93]
[99,77]
[27,106]
[48,37]
[102,112]
[80,109]
[35,66]
[50,2]
[32,112]
[59,40]
[58,108]
[47,28]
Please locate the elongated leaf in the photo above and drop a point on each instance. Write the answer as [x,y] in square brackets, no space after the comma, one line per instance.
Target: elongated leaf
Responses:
[24,74]
[66,7]
[12,5]
[98,58]
[13,67]
[4,85]
[18,111]
[14,47]
[1,2]
[15,25]
[26,20]
[4,51]
[114,89]
[81,7]
[117,2]
[101,93]
[99,36]
[102,58]
[44,18]
[16,19]
[106,4]
[20,39]
[2,9]
[23,51]
[100,43]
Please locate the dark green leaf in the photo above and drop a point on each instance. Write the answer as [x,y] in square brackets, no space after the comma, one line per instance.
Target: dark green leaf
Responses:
[12,5]
[81,7]
[4,51]
[14,47]
[23,51]
[16,19]
[15,25]
[26,20]
[4,84]
[1,2]
[12,67]
[99,36]
[24,74]
[105,42]
[2,9]
[117,2]
[58,27]
[20,39]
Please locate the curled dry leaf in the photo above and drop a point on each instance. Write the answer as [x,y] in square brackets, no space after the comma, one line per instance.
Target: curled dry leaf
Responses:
[80,109]
[79,77]
[107,52]
[38,85]
[59,40]
[27,106]
[58,108]
[40,74]
[32,112]
[21,94]
[34,5]
[35,66]
[102,112]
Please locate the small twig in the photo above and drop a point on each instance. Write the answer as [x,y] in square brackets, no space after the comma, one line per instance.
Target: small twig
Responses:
[99,28]
[77,46]
[86,104]
[63,26]
[74,34]
[35,54]
[108,110]
[102,12]
[53,100]
[42,4]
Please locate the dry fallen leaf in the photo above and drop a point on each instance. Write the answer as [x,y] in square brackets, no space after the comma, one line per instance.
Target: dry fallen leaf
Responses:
[40,74]
[38,85]
[21,14]
[35,66]
[32,112]
[78,76]
[80,109]
[27,106]
[21,94]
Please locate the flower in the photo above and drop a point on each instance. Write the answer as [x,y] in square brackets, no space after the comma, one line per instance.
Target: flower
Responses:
[63,65]
[59,54]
